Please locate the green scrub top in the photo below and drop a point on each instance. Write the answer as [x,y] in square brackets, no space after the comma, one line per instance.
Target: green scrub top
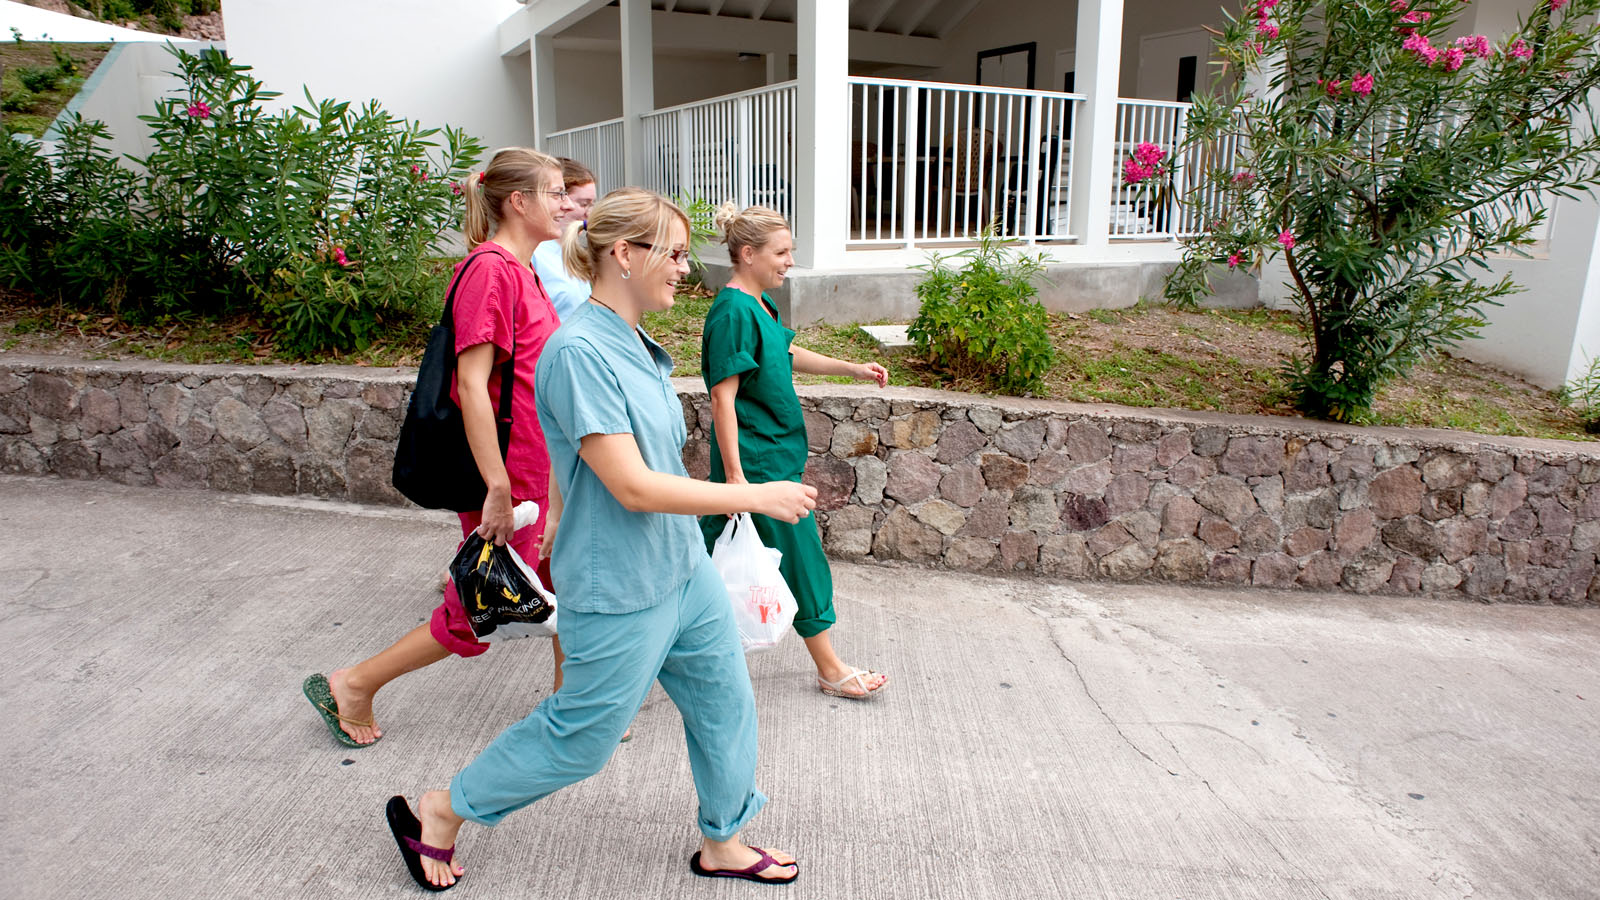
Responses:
[743,336]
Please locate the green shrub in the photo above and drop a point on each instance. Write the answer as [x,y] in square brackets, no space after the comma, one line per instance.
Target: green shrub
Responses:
[16,101]
[980,320]
[65,64]
[38,80]
[1583,395]
[326,220]
[1386,170]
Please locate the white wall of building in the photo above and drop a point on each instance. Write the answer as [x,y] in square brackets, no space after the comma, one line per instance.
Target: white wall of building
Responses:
[436,63]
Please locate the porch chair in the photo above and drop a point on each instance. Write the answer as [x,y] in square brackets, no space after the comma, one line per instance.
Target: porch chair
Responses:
[974,154]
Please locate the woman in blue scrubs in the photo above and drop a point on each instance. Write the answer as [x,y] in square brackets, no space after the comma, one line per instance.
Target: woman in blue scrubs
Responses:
[640,600]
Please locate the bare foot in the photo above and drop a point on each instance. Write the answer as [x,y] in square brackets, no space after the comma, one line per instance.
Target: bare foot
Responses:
[439,826]
[354,708]
[733,855]
[852,687]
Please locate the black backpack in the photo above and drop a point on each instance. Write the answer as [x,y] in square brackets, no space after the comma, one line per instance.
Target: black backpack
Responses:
[433,464]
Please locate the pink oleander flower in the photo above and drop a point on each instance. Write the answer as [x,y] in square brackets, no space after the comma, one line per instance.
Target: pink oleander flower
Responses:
[1262,6]
[1399,5]
[1454,58]
[415,168]
[199,110]
[1267,30]
[1361,84]
[1286,239]
[1243,177]
[339,257]
[1149,154]
[1519,49]
[1476,44]
[1253,46]
[1133,173]
[1416,43]
[1233,260]
[1333,87]
[1416,16]
[1557,4]
[455,188]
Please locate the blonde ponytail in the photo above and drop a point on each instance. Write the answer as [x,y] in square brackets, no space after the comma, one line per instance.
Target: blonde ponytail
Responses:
[510,170]
[751,228]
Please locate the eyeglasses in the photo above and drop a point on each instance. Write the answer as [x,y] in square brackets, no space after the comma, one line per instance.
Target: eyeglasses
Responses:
[561,194]
[677,256]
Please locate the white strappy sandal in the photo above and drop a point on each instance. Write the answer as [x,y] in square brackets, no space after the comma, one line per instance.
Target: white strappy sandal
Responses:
[859,676]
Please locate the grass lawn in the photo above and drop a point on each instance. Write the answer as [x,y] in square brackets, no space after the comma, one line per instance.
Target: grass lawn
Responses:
[29,111]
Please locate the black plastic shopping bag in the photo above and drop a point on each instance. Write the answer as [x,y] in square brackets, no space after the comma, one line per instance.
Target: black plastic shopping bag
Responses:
[500,593]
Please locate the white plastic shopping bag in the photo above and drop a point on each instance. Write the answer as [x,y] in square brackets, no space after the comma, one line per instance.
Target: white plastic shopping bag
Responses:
[763,606]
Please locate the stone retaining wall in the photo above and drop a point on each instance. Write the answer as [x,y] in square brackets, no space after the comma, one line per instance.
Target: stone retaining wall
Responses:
[929,477]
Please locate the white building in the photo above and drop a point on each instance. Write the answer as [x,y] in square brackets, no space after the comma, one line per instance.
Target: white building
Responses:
[882,128]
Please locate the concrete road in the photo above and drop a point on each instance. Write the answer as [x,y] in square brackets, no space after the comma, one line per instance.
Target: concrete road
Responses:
[1037,739]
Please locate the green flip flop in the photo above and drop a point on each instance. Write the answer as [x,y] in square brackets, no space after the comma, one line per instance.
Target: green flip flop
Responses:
[321,696]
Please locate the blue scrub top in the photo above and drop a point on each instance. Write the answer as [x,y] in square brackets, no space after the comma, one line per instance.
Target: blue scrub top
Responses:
[566,292]
[598,376]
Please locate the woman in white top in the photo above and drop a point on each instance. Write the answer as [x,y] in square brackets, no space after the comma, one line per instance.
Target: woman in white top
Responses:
[566,292]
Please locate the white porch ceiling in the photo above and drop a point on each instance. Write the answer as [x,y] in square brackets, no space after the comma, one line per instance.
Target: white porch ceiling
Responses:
[908,18]
[901,32]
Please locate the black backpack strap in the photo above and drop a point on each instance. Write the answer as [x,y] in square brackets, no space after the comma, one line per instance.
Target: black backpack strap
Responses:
[503,416]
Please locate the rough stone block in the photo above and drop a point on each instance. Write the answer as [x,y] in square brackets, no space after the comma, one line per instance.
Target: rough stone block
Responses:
[1002,473]
[1444,469]
[1126,493]
[1034,509]
[1440,577]
[913,477]
[1228,568]
[1396,493]
[1087,441]
[1260,534]
[1323,570]
[1253,455]
[903,537]
[987,418]
[1129,562]
[1133,458]
[1406,576]
[1023,440]
[989,518]
[834,479]
[1305,541]
[1191,470]
[970,554]
[946,518]
[1019,551]
[918,430]
[1210,440]
[819,431]
[1218,534]
[849,532]
[1080,513]
[1172,448]
[959,440]
[1180,517]
[1227,497]
[1066,555]
[228,471]
[1274,570]
[851,439]
[1308,469]
[872,476]
[1367,575]
[1182,559]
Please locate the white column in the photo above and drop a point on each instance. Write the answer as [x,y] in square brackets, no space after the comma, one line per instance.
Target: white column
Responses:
[822,140]
[777,67]
[638,85]
[1099,62]
[542,60]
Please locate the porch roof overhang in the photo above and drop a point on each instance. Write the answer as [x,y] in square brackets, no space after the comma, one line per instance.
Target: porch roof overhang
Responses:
[766,28]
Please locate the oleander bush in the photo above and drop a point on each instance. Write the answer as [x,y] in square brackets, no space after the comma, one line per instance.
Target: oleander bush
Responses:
[979,319]
[327,220]
[1386,162]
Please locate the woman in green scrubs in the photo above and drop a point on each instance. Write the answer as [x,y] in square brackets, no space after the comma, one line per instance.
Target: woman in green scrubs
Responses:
[758,433]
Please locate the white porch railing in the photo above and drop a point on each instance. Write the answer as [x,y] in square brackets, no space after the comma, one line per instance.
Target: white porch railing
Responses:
[739,147]
[598,146]
[933,162]
[1153,210]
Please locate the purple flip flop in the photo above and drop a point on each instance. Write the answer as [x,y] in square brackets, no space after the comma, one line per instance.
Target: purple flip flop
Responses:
[407,832]
[748,873]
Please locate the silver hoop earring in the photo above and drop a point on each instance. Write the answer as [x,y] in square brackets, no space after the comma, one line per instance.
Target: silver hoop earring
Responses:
[625,275]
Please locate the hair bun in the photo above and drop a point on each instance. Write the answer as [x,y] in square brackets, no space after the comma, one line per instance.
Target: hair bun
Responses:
[725,216]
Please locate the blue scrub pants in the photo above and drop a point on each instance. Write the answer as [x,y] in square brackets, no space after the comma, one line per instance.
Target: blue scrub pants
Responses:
[688,642]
